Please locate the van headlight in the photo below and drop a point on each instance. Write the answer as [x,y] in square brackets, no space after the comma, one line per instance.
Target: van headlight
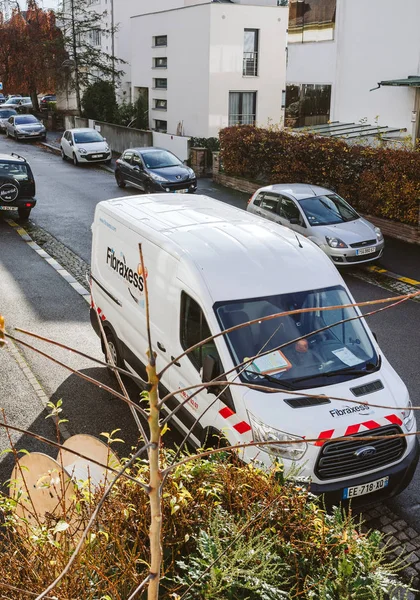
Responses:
[264,433]
[409,419]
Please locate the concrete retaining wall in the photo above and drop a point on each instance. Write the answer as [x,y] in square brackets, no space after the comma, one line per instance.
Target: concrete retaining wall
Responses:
[120,138]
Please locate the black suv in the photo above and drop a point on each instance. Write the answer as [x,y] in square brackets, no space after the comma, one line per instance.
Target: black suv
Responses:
[17,185]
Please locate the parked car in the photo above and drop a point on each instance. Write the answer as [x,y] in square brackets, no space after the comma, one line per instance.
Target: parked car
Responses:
[25,127]
[154,170]
[12,101]
[2,98]
[45,100]
[17,185]
[322,216]
[211,267]
[23,104]
[5,114]
[85,145]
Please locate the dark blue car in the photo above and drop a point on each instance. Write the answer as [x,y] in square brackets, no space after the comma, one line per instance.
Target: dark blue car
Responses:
[154,170]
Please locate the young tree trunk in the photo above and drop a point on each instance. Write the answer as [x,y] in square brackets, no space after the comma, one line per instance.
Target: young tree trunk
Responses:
[155,484]
[34,98]
[76,64]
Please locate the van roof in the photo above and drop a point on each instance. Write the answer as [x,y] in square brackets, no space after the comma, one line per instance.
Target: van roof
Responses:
[239,255]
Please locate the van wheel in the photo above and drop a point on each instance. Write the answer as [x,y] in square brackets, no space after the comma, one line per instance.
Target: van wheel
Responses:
[113,348]
[214,439]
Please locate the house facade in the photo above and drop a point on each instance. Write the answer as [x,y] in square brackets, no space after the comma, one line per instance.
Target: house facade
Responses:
[352,61]
[205,65]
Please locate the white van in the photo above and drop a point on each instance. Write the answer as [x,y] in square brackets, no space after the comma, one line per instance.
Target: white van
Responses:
[210,266]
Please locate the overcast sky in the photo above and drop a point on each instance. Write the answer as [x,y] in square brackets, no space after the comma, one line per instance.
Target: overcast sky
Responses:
[42,3]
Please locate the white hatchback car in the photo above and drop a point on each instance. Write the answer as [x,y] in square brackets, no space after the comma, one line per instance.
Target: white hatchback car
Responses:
[322,216]
[84,145]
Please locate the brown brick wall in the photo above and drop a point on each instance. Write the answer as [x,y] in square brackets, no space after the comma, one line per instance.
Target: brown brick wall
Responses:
[407,233]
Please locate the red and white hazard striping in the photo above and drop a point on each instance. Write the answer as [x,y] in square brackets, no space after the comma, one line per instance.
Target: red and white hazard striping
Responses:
[353,429]
[241,427]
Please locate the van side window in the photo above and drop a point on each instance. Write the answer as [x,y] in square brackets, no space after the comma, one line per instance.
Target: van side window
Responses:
[194,329]
[270,202]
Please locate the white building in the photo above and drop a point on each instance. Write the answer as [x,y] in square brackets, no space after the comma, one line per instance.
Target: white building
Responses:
[340,50]
[204,65]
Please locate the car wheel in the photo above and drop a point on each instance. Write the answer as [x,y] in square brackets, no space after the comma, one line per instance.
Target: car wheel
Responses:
[63,155]
[24,213]
[119,179]
[7,133]
[75,161]
[113,348]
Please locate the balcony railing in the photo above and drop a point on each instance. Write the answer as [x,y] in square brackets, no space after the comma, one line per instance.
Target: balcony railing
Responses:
[250,64]
[241,120]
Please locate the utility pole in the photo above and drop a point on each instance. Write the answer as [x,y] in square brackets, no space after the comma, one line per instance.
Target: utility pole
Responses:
[76,65]
[113,44]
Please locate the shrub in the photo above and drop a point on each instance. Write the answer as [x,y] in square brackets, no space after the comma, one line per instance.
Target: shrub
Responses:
[379,181]
[99,102]
[277,541]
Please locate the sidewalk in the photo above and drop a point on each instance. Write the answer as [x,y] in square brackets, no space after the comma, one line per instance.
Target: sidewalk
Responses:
[399,257]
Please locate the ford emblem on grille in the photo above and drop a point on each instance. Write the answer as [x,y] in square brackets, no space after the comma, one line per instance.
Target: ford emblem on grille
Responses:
[365,452]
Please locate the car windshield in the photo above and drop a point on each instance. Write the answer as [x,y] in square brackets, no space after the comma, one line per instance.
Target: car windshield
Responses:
[327,210]
[159,159]
[19,172]
[26,120]
[5,114]
[336,354]
[87,137]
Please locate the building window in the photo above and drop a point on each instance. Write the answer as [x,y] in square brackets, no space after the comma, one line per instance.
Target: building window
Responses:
[242,108]
[95,37]
[311,21]
[161,104]
[160,62]
[161,126]
[250,60]
[160,40]
[161,83]
[307,105]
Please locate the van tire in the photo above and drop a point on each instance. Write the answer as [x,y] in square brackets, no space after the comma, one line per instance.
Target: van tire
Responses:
[114,349]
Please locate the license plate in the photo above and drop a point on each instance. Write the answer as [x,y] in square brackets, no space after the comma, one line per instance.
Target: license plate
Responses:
[8,207]
[181,191]
[365,488]
[365,251]
[96,155]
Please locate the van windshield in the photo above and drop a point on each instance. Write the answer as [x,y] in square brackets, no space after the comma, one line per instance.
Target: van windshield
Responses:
[339,353]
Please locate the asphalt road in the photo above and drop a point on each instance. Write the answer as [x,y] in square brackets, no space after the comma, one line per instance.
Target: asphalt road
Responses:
[32,295]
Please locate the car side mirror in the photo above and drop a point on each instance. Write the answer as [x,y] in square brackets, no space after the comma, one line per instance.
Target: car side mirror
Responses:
[71,143]
[294,221]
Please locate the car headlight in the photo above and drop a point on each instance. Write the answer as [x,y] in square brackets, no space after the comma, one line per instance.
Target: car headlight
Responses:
[82,150]
[106,148]
[156,177]
[409,418]
[335,242]
[191,172]
[264,433]
[379,234]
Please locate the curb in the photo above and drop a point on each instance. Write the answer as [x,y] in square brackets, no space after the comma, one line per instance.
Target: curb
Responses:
[51,261]
[57,150]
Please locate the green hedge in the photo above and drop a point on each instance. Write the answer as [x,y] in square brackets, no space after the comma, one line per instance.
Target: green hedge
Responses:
[378,181]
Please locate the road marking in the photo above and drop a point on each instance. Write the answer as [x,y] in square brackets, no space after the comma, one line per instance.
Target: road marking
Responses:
[51,261]
[392,275]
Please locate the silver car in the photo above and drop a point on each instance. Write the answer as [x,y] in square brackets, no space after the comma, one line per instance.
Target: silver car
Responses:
[322,216]
[25,127]
[5,113]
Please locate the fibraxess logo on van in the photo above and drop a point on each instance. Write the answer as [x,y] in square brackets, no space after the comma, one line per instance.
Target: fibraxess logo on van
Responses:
[348,410]
[119,265]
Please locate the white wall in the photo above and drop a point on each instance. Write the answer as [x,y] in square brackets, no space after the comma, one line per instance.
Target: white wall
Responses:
[228,22]
[174,143]
[374,40]
[384,44]
[188,34]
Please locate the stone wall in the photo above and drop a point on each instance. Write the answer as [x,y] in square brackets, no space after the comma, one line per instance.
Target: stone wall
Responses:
[407,233]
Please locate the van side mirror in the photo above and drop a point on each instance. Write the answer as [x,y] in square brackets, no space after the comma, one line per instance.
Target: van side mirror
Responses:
[211,369]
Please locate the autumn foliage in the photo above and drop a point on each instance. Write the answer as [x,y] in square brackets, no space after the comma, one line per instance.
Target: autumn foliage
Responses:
[378,181]
[31,51]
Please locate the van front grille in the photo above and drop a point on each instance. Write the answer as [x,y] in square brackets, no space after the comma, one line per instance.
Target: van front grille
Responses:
[340,459]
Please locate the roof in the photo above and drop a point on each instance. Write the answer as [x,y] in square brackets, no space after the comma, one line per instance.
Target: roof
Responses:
[410,81]
[299,191]
[349,130]
[12,157]
[237,254]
